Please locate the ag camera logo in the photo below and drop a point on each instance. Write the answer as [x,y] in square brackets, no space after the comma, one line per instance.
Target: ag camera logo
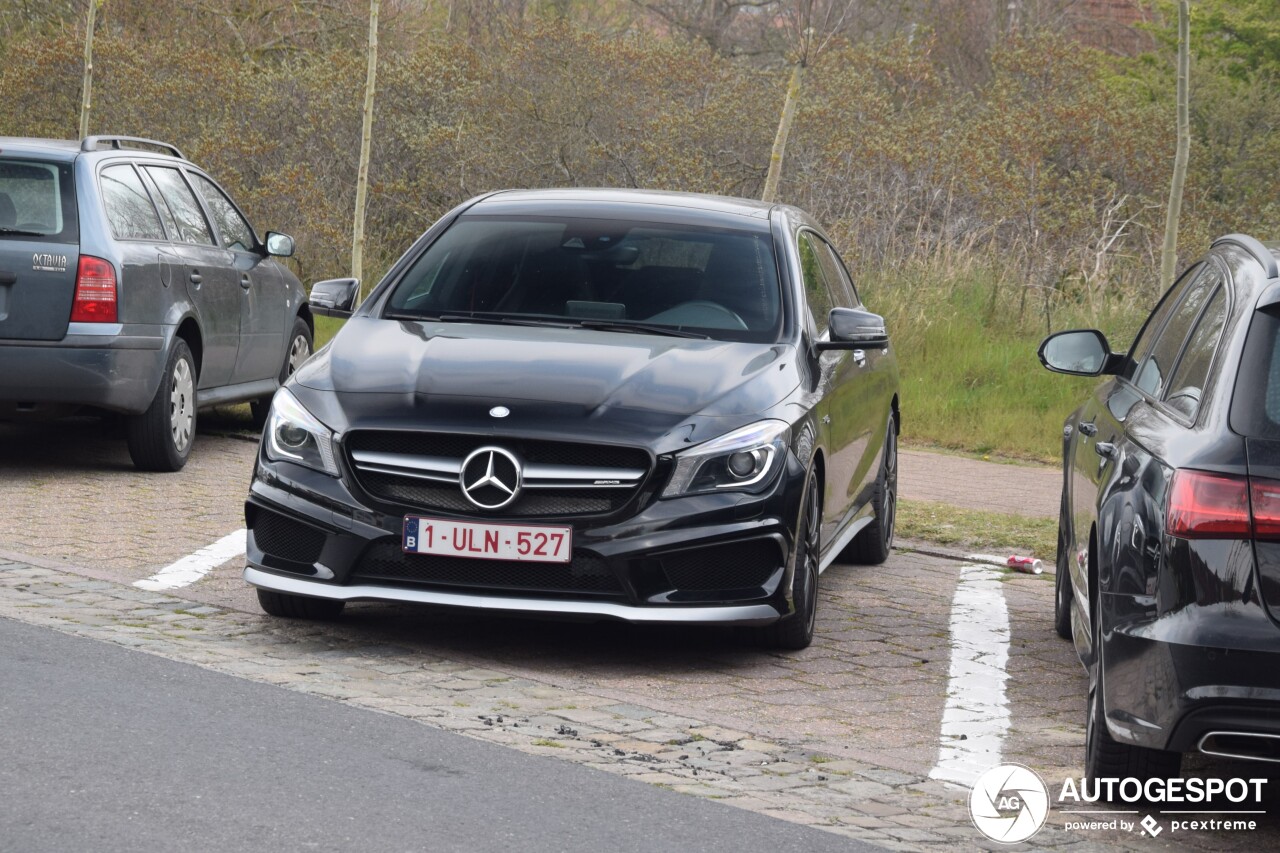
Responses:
[1009,803]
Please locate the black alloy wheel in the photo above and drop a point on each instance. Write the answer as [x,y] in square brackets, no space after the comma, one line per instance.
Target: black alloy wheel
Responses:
[795,632]
[1104,756]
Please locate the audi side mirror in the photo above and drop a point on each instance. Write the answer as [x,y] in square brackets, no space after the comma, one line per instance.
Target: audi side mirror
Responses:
[335,297]
[1079,352]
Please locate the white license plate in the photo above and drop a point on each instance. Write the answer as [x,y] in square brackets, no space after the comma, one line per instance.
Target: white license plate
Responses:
[520,542]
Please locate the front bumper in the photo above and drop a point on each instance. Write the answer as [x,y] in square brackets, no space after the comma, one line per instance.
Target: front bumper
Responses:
[107,365]
[710,559]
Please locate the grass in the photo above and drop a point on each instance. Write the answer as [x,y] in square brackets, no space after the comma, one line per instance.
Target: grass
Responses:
[966,347]
[977,530]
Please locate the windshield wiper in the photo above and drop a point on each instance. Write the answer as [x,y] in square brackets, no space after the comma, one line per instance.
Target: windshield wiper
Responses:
[19,232]
[640,328]
[496,319]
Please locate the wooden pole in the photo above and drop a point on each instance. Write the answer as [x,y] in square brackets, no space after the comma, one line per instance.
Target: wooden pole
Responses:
[1169,253]
[366,136]
[86,89]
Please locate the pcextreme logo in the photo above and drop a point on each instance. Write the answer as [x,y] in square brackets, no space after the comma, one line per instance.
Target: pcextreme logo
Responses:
[1009,803]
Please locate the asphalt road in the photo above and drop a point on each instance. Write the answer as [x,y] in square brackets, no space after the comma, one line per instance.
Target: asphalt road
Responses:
[108,749]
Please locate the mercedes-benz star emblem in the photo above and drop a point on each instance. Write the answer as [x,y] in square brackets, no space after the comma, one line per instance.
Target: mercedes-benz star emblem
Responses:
[491,477]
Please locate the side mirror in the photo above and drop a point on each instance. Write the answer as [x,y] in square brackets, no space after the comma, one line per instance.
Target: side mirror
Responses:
[335,297]
[1080,352]
[854,327]
[279,245]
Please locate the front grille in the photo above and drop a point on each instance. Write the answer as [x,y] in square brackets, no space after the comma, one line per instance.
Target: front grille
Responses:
[285,538]
[421,470]
[587,574]
[737,565]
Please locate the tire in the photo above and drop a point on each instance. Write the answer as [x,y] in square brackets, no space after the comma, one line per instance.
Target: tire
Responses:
[288,606]
[1063,592]
[796,631]
[1104,756]
[160,438]
[300,344]
[872,545]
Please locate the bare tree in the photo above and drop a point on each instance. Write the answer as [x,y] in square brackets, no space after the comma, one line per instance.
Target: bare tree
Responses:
[812,24]
[1169,253]
[366,139]
[86,89]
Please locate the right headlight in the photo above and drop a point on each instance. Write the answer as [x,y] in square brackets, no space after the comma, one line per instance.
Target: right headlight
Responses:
[295,435]
[742,460]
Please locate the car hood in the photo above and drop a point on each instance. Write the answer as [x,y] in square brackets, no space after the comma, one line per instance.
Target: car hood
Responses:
[619,386]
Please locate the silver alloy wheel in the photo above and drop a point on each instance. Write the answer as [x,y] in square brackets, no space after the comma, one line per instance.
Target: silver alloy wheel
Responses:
[182,404]
[299,351]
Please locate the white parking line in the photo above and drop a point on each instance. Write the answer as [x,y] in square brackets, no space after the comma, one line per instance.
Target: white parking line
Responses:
[192,567]
[976,717]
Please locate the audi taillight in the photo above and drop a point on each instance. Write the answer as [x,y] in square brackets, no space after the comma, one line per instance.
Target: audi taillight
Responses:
[95,299]
[1222,506]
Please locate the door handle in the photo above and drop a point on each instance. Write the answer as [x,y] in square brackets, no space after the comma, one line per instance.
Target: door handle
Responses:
[1105,449]
[859,357]
[244,281]
[196,278]
[1088,428]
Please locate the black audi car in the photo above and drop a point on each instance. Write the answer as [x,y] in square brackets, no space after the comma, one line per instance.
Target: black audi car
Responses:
[653,407]
[1169,539]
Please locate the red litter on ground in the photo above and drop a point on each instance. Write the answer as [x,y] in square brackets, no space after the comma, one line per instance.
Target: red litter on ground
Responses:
[1029,565]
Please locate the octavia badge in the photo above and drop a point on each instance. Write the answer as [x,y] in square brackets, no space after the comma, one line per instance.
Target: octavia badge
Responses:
[491,478]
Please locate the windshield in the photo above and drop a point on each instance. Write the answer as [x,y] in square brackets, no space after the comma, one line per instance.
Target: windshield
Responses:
[605,273]
[37,200]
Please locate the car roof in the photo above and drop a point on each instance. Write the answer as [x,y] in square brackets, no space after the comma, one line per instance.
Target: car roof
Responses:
[56,149]
[627,202]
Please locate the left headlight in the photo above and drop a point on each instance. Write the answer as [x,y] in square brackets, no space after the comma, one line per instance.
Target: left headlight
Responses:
[744,459]
[295,435]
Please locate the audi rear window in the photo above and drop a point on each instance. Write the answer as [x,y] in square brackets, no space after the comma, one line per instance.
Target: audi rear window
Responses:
[1255,403]
[37,201]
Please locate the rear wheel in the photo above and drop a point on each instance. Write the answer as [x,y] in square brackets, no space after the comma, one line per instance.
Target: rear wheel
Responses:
[1063,594]
[298,606]
[796,631]
[160,438]
[1105,757]
[872,545]
[300,342]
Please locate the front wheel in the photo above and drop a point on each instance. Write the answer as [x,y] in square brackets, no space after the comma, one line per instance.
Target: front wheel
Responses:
[796,631]
[300,343]
[160,438]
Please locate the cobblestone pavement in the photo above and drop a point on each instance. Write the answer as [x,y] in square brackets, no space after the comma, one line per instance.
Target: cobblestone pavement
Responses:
[842,735]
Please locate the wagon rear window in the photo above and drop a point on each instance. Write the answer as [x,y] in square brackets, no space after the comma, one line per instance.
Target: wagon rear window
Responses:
[37,201]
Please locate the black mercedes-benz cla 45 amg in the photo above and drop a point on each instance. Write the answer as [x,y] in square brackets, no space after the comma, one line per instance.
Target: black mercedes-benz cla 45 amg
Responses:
[1169,539]
[598,404]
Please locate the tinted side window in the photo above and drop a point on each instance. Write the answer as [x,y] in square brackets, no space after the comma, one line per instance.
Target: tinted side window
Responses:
[235,232]
[192,227]
[1147,334]
[837,277]
[129,208]
[816,290]
[1154,371]
[1189,378]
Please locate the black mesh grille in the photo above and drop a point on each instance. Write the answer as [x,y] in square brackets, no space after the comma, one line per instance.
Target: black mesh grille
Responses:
[585,575]
[285,538]
[738,565]
[532,503]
